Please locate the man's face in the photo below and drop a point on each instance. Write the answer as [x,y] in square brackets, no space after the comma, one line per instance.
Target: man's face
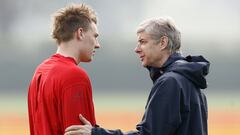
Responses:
[90,43]
[148,49]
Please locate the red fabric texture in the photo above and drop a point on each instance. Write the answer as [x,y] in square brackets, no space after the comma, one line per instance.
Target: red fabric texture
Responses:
[58,93]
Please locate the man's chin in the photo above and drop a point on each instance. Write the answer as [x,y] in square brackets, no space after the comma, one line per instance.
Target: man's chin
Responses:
[144,64]
[87,60]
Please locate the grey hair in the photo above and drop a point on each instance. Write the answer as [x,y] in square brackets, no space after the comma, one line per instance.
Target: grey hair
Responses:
[164,26]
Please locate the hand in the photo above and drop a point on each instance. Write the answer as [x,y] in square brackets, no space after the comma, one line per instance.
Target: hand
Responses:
[85,129]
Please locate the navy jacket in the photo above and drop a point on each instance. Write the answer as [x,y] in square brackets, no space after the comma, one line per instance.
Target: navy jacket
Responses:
[176,104]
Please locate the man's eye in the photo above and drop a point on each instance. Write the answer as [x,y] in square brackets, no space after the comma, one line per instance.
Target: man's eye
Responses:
[96,35]
[142,42]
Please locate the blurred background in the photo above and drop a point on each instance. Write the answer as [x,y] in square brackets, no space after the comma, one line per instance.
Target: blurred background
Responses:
[120,84]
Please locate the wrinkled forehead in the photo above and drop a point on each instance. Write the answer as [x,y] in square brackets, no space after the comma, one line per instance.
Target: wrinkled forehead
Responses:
[143,35]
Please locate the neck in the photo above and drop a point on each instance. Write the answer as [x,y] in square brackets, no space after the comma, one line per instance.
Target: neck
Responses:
[67,49]
[164,58]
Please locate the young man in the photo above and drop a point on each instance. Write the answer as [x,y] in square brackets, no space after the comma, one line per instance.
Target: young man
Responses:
[176,104]
[59,89]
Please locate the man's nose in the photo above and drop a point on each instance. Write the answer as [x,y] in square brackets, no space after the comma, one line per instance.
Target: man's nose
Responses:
[137,49]
[97,45]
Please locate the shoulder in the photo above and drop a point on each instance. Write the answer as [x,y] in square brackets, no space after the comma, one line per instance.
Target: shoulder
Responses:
[73,75]
[75,79]
[75,72]
[168,82]
[168,78]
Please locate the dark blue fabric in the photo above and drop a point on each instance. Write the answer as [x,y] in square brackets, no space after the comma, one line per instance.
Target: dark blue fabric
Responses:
[176,104]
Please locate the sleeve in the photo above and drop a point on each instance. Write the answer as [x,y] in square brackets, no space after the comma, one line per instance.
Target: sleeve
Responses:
[75,101]
[102,131]
[162,113]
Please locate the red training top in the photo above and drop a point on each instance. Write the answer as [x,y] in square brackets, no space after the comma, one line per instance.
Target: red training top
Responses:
[58,93]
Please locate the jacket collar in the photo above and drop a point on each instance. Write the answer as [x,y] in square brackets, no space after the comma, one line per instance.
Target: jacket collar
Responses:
[156,72]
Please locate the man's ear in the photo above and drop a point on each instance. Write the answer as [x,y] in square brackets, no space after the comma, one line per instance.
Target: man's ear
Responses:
[79,33]
[164,42]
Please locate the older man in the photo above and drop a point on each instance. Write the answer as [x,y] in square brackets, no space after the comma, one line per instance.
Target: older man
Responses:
[176,104]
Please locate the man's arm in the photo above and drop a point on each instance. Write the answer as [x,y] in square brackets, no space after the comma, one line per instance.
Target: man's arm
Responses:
[87,129]
[162,114]
[75,101]
[80,129]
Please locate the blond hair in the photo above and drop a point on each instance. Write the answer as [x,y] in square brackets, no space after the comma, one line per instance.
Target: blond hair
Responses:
[68,19]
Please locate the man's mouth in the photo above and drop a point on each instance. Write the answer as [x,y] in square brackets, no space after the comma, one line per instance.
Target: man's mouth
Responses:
[141,58]
[93,53]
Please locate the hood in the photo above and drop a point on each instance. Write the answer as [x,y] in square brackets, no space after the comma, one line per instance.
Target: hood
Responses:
[194,68]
